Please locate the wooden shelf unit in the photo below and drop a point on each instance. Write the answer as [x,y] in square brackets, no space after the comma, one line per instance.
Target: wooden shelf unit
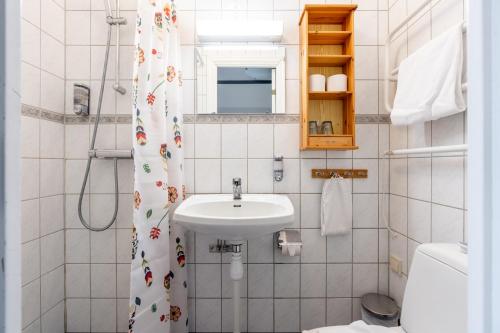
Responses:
[327,47]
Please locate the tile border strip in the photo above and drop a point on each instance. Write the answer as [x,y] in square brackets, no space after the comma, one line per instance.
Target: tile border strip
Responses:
[36,112]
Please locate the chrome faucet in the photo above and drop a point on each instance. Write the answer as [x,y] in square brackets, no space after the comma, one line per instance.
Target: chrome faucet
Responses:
[237,188]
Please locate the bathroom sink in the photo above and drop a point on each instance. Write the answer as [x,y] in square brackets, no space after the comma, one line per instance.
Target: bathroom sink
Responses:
[219,215]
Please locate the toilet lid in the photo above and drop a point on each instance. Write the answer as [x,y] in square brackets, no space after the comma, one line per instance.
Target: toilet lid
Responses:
[380,305]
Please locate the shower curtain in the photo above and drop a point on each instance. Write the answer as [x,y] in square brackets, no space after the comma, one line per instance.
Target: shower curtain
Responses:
[158,289]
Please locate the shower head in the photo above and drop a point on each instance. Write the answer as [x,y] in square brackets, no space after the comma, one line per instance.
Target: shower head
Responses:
[107,6]
[119,89]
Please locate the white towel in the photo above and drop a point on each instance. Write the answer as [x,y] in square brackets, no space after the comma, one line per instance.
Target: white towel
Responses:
[355,327]
[430,81]
[336,207]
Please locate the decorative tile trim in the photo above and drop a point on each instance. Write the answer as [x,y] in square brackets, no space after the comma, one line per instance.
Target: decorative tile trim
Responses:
[36,112]
[39,113]
[373,119]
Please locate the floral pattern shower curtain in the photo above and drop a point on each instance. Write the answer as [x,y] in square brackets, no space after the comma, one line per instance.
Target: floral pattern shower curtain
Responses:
[158,291]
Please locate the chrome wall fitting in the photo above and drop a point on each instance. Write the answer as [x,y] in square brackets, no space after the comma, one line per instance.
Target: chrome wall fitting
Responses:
[223,247]
[278,169]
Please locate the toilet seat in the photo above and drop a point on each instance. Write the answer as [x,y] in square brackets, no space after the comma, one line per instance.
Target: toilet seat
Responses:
[357,327]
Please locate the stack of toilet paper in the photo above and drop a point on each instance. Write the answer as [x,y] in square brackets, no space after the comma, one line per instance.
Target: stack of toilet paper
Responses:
[289,242]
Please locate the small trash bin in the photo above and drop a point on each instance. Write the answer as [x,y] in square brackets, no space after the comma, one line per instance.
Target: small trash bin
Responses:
[379,310]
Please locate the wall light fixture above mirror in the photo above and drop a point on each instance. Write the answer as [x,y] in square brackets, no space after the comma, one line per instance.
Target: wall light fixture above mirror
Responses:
[239,31]
[240,79]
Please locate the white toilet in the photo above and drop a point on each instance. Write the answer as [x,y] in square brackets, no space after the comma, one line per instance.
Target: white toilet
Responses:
[435,299]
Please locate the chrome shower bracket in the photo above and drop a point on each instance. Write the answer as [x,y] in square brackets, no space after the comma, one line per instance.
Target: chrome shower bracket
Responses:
[278,168]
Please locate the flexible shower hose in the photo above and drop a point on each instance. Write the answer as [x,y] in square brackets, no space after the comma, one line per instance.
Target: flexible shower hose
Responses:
[92,144]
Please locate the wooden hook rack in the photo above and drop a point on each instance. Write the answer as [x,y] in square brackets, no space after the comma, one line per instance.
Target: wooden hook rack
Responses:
[344,173]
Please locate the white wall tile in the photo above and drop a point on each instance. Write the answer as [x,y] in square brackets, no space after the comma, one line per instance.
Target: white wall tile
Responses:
[260,140]
[260,176]
[312,280]
[101,310]
[365,27]
[51,140]
[365,210]
[419,178]
[78,28]
[447,224]
[51,182]
[286,140]
[52,17]
[30,85]
[448,181]
[52,251]
[365,245]
[53,320]
[30,220]
[77,280]
[77,246]
[228,317]
[260,280]
[312,313]
[310,205]
[338,311]
[207,176]
[313,246]
[30,171]
[367,140]
[291,176]
[30,134]
[78,314]
[365,279]
[52,288]
[103,246]
[30,43]
[30,264]
[51,214]
[31,302]
[260,315]
[102,280]
[366,97]
[52,55]
[208,281]
[207,141]
[287,280]
[208,314]
[339,283]
[339,248]
[419,220]
[234,140]
[286,315]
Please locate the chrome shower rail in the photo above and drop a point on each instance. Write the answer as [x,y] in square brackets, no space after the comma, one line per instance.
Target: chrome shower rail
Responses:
[437,149]
[389,75]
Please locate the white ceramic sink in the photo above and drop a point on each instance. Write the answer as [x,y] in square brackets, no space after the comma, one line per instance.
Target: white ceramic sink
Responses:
[219,215]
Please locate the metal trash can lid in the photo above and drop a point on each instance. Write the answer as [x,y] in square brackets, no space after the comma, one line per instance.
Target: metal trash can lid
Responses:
[380,306]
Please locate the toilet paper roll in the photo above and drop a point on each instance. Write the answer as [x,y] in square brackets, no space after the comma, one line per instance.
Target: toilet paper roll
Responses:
[317,82]
[337,82]
[291,250]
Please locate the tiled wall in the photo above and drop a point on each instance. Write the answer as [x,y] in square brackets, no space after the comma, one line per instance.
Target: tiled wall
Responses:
[42,138]
[97,263]
[279,293]
[428,193]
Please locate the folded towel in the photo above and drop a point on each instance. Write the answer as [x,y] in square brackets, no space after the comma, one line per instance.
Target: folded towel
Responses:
[355,327]
[336,207]
[430,81]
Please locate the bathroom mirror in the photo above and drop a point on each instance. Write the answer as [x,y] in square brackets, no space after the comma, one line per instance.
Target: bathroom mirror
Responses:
[240,80]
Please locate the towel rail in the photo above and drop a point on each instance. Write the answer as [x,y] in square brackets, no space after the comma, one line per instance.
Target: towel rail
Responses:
[436,149]
[390,74]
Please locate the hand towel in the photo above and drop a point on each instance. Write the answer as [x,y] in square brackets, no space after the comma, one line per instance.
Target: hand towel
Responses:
[430,81]
[336,207]
[355,327]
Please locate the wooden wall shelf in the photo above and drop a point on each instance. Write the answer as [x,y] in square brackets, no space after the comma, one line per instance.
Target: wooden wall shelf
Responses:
[327,47]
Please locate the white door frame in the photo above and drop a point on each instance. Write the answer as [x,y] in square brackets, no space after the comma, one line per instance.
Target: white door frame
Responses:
[10,165]
[484,166]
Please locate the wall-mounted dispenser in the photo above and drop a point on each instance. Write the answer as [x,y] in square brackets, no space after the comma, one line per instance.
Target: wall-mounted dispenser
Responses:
[81,99]
[278,168]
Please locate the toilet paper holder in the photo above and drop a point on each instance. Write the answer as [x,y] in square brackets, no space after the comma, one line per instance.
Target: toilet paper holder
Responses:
[288,238]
